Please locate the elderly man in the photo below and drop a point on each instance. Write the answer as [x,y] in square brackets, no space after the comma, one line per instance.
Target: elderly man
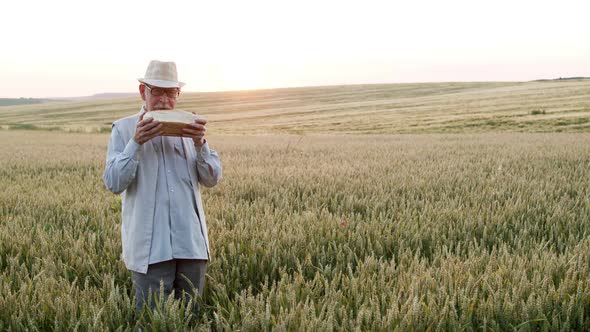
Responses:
[164,232]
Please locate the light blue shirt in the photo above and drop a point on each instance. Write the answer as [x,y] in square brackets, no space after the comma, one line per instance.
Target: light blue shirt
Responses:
[134,172]
[177,230]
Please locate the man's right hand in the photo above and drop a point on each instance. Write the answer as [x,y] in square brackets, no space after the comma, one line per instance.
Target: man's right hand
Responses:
[146,130]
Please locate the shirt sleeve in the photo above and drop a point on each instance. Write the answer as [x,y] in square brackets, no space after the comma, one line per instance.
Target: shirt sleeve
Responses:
[122,161]
[208,165]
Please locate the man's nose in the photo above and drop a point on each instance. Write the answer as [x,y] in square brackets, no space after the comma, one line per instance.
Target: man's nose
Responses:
[165,99]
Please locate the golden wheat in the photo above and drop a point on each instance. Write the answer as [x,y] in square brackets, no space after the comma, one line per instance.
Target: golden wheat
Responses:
[399,232]
[384,108]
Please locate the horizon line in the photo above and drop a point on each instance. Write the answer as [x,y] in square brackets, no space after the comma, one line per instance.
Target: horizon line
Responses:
[309,86]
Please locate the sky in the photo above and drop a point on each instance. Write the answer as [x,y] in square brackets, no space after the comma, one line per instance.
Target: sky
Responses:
[64,48]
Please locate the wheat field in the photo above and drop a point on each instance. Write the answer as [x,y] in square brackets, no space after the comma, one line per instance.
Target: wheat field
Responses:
[540,106]
[425,225]
[317,232]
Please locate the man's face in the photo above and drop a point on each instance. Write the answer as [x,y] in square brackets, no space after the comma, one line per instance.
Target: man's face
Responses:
[157,98]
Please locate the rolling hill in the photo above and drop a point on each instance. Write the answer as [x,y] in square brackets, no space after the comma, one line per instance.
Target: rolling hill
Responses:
[536,106]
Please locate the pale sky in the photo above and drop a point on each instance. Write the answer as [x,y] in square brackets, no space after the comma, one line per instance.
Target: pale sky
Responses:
[62,48]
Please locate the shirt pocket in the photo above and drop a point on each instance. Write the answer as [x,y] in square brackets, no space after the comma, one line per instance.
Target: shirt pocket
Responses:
[179,151]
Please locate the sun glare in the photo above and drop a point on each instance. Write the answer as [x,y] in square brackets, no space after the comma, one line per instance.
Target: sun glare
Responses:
[241,76]
[64,49]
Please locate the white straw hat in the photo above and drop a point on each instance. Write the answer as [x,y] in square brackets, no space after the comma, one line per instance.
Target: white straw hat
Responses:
[161,74]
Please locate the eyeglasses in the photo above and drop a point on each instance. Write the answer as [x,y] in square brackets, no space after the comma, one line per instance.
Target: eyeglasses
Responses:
[157,92]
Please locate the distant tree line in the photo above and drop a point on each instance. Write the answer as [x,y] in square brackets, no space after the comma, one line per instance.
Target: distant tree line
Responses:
[566,78]
[21,101]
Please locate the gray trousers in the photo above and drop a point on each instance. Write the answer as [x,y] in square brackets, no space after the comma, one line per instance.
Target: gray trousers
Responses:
[178,275]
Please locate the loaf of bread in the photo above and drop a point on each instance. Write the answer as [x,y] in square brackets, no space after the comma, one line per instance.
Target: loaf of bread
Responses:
[172,121]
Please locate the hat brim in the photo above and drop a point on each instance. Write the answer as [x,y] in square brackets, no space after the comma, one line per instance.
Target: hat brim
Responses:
[162,83]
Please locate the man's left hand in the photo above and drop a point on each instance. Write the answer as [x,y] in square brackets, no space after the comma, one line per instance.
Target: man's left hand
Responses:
[196,131]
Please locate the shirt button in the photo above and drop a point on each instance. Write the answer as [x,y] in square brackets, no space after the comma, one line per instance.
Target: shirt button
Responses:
[168,171]
[171,190]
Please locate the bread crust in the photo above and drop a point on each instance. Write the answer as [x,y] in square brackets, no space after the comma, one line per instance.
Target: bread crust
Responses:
[173,128]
